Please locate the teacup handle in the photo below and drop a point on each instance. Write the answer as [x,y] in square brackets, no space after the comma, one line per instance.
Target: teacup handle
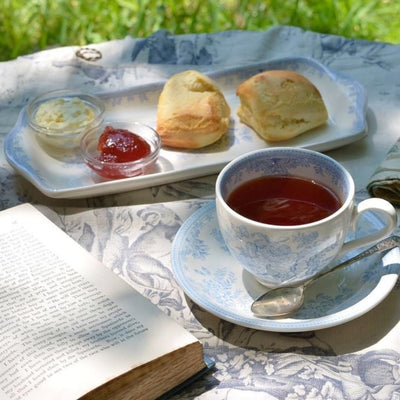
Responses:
[373,204]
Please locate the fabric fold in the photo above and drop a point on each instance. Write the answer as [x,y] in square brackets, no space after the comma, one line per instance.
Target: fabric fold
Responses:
[385,181]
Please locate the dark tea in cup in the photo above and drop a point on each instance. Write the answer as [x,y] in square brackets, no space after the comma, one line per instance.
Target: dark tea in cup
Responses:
[283,200]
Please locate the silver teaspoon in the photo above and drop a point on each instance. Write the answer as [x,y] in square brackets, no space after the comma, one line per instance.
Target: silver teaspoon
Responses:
[283,301]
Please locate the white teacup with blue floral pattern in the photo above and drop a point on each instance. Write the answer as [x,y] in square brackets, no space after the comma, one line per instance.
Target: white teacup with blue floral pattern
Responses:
[281,255]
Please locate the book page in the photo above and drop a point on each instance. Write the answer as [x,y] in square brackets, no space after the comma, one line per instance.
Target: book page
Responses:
[68,323]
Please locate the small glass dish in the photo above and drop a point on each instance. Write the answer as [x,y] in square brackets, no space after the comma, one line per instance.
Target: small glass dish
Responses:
[113,169]
[60,117]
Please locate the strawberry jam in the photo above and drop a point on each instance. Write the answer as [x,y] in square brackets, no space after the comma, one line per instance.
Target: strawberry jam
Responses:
[120,145]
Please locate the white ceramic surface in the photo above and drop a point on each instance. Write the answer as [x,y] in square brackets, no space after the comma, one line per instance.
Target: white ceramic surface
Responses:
[280,255]
[66,175]
[209,275]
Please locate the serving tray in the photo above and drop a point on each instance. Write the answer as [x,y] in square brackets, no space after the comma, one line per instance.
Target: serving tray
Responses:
[61,175]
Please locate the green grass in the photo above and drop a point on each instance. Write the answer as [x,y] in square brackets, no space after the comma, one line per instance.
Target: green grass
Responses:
[29,26]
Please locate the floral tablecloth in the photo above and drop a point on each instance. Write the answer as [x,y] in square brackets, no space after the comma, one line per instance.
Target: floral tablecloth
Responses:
[132,232]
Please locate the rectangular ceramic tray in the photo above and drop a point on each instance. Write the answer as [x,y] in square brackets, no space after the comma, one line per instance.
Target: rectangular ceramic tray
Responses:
[67,176]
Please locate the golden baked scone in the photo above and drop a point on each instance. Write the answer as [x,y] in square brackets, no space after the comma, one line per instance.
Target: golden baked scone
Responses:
[280,105]
[192,111]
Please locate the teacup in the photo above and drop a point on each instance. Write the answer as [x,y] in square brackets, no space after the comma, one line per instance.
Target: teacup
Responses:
[279,255]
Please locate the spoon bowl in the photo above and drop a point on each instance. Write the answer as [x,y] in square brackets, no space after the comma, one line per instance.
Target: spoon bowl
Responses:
[284,301]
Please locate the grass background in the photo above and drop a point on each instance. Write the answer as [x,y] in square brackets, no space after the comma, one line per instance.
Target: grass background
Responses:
[29,26]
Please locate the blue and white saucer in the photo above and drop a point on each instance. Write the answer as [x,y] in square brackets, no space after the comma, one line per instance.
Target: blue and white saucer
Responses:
[214,280]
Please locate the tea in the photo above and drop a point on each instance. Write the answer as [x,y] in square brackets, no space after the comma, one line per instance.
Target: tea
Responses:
[283,200]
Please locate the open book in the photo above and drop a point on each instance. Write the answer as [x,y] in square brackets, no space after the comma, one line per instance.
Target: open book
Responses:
[71,329]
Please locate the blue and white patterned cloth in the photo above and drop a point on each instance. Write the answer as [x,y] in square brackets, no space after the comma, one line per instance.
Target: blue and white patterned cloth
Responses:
[132,232]
[385,182]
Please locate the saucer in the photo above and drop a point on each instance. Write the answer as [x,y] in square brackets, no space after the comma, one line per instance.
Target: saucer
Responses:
[213,279]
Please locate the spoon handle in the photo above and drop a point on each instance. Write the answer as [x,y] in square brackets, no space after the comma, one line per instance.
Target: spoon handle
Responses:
[385,244]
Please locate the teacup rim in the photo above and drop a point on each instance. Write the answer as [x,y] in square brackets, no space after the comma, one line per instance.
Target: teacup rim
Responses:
[347,202]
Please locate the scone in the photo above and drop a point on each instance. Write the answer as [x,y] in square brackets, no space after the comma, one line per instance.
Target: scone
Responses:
[280,105]
[192,111]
